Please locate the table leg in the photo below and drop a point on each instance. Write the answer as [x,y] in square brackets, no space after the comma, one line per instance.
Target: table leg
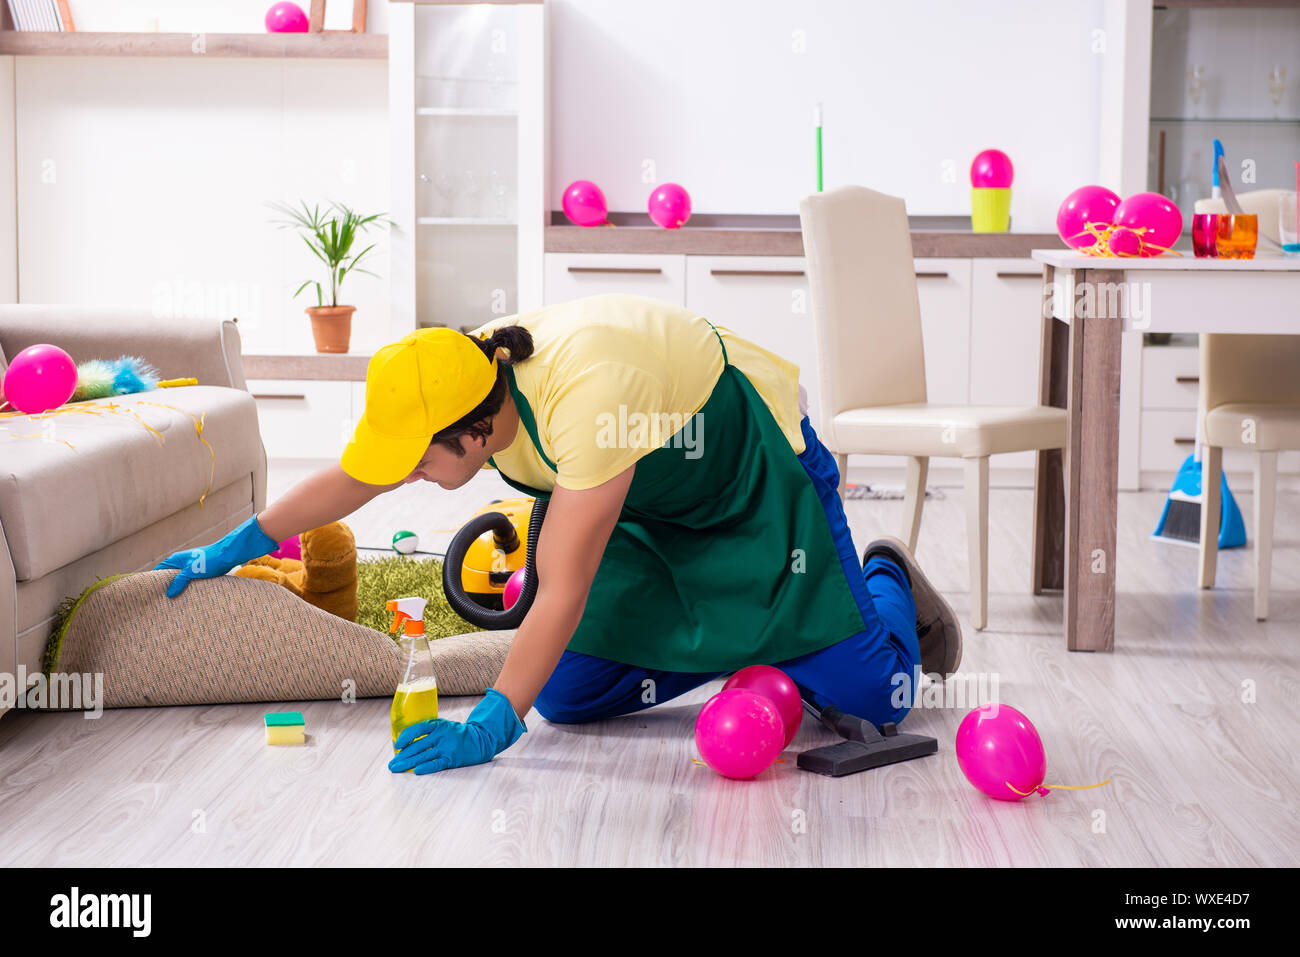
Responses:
[1092,458]
[1048,567]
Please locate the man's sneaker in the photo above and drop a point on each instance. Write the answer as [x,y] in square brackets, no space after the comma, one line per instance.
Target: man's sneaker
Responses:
[937,629]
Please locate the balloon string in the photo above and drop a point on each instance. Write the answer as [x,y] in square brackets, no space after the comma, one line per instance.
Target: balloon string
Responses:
[1101,234]
[1058,787]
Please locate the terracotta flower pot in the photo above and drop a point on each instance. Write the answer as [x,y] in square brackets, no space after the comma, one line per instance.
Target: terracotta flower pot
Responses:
[331,326]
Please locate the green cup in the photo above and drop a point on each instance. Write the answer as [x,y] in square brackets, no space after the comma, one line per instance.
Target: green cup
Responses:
[990,209]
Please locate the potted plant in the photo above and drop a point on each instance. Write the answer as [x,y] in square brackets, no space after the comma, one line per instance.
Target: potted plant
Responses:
[330,236]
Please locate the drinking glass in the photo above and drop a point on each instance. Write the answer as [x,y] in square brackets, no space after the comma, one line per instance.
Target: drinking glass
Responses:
[1237,236]
[1195,85]
[1205,231]
[1276,85]
[1288,218]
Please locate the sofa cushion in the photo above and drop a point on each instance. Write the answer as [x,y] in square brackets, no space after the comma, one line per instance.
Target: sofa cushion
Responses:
[73,482]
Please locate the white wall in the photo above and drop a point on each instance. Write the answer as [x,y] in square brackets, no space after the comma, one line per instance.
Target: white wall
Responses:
[141,182]
[718,96]
[8,196]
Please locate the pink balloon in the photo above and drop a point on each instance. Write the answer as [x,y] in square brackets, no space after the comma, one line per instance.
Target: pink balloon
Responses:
[775,685]
[1157,214]
[998,746]
[289,548]
[514,585]
[992,169]
[670,206]
[40,378]
[286,18]
[739,733]
[1124,242]
[584,203]
[1087,204]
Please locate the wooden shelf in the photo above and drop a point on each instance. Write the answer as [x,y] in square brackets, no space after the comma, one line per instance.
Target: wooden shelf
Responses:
[368,46]
[464,221]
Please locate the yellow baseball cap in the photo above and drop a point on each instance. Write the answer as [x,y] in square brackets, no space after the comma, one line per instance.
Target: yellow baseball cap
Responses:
[415,387]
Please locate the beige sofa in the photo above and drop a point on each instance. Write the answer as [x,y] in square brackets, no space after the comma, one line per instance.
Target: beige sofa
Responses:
[82,496]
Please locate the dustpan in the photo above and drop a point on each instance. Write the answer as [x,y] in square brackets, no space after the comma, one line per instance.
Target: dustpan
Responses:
[1180,520]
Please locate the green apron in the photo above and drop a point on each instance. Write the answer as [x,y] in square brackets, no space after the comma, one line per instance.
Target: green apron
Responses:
[719,561]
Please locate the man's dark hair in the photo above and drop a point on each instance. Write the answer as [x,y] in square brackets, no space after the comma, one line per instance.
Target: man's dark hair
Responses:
[518,345]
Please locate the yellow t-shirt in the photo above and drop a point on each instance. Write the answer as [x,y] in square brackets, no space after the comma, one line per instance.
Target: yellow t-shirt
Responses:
[612,377]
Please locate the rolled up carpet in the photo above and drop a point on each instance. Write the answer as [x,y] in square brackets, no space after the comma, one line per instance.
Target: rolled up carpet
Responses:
[231,639]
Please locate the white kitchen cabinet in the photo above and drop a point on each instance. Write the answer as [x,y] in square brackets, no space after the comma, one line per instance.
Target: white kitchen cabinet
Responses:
[574,275]
[1006,338]
[304,418]
[763,299]
[1170,392]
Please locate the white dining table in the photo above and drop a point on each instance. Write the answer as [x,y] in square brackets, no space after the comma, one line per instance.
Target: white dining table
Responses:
[1088,303]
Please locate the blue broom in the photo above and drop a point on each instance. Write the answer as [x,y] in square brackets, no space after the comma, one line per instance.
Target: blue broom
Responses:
[1180,522]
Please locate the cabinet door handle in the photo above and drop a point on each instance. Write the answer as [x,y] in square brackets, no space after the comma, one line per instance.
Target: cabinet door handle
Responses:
[756,272]
[278,395]
[932,275]
[1184,441]
[1190,379]
[646,270]
[1020,275]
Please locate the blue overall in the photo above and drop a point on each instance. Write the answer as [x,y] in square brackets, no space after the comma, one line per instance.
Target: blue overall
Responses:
[856,674]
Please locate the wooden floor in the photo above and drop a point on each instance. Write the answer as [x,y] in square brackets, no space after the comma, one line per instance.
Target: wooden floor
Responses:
[1193,718]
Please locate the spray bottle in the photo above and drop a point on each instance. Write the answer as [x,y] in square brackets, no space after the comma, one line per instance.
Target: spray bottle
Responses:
[416,698]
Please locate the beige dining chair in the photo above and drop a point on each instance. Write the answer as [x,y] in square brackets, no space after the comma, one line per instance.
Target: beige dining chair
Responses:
[1249,399]
[867,328]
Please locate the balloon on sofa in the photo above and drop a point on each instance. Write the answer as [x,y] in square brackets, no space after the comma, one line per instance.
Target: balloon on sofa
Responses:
[40,378]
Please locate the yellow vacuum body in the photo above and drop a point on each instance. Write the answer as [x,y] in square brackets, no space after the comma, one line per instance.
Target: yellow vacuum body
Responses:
[487,566]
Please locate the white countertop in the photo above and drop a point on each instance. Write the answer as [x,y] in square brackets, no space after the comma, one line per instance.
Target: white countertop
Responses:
[1263,262]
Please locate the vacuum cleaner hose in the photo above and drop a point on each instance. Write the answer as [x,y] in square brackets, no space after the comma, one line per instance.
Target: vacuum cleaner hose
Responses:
[454,588]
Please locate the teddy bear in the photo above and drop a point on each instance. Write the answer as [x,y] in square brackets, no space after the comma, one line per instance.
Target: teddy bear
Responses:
[327,575]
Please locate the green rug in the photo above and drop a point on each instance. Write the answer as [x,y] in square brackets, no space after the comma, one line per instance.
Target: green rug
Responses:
[397,576]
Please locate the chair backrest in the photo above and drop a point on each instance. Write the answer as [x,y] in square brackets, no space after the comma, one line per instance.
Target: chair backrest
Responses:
[1239,368]
[1262,202]
[866,316]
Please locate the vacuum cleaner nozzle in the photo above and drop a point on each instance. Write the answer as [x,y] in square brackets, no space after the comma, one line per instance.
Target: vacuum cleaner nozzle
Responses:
[864,746]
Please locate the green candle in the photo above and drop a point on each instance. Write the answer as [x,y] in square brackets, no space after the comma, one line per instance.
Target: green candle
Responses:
[817,123]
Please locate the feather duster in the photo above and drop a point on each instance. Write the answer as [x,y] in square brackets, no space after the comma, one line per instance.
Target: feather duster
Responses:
[102,378]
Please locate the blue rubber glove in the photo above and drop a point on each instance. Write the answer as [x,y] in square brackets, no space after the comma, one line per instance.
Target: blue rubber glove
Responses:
[246,542]
[491,728]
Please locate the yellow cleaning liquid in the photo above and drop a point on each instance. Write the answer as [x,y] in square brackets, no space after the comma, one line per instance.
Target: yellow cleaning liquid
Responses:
[414,701]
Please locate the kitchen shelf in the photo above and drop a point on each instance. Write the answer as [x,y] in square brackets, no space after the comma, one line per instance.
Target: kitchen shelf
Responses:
[464,111]
[1233,120]
[368,46]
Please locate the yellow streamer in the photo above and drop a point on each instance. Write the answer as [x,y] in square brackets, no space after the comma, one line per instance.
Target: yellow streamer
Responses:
[42,435]
[199,421]
[1058,787]
[113,408]
[1101,234]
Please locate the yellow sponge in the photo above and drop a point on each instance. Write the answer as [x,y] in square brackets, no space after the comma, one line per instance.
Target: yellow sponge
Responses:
[286,727]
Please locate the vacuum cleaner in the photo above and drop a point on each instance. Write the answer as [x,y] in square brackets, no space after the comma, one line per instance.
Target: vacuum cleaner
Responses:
[864,747]
[498,540]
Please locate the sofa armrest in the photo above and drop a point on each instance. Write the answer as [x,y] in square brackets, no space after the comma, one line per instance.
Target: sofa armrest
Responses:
[204,349]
